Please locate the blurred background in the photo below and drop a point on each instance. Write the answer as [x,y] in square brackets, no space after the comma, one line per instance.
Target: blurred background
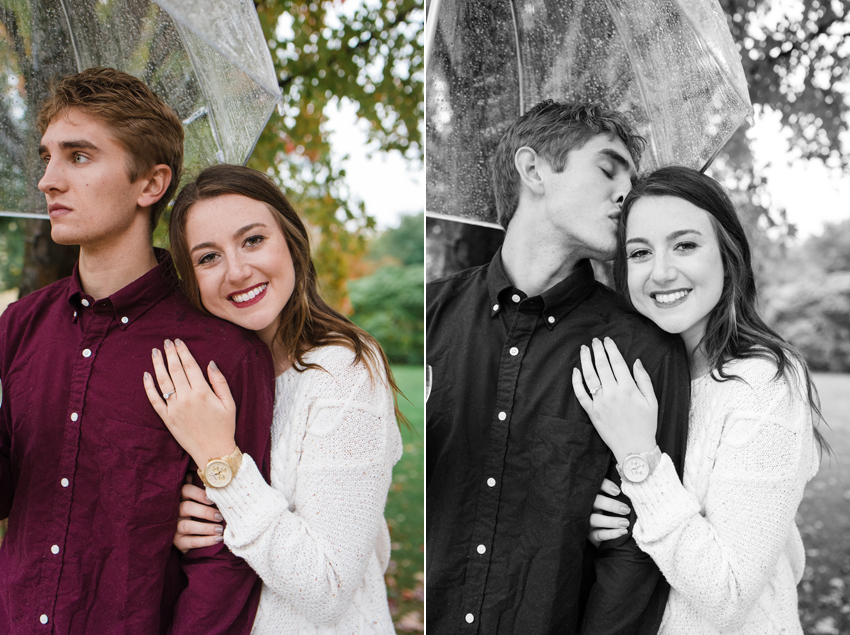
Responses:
[787,171]
[347,151]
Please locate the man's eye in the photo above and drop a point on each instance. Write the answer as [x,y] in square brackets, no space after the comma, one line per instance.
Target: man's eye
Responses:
[79,158]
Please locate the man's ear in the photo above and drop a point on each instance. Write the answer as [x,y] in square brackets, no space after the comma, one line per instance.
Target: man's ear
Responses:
[527,164]
[155,185]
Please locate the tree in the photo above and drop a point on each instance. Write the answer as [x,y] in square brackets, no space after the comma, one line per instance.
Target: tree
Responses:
[371,57]
[403,244]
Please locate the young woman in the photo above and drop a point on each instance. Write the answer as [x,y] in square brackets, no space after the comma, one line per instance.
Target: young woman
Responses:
[317,536]
[724,537]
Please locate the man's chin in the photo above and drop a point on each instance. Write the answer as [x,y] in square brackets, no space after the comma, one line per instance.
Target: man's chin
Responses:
[61,236]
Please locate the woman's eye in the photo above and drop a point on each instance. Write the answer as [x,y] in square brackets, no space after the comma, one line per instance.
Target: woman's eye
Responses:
[686,246]
[253,241]
[638,254]
[206,259]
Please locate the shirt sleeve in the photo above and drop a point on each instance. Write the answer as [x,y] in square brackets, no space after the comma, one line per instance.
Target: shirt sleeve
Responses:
[314,549]
[721,558]
[6,488]
[629,594]
[222,593]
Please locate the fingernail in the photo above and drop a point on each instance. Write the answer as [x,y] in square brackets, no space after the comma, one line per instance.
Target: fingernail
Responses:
[615,490]
[623,522]
[167,343]
[221,538]
[584,347]
[147,375]
[638,363]
[209,502]
[218,516]
[624,509]
[178,341]
[155,352]
[220,529]
[213,367]
[622,532]
[608,339]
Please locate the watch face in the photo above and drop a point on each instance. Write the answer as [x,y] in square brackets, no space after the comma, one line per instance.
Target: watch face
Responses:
[218,473]
[636,468]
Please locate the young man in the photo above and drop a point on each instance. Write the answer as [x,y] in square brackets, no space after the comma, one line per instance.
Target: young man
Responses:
[513,463]
[90,478]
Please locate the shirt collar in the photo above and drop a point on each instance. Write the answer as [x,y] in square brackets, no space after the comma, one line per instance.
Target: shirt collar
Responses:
[131,302]
[555,303]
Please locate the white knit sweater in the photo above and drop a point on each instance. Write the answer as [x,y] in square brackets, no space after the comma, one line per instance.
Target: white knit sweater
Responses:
[725,539]
[317,536]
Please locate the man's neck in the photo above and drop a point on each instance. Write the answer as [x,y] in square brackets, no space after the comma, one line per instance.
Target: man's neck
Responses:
[105,269]
[533,258]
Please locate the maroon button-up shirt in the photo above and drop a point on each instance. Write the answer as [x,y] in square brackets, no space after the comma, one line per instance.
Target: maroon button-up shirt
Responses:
[89,475]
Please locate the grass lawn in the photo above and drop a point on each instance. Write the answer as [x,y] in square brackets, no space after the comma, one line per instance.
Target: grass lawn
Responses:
[824,519]
[406,508]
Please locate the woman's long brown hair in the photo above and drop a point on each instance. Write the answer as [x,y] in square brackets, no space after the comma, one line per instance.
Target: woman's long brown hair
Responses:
[306,320]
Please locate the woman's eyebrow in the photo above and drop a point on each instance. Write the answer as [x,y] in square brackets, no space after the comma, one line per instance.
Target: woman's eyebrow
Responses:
[671,236]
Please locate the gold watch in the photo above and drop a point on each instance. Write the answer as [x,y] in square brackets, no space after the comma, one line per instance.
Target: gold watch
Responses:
[219,472]
[637,467]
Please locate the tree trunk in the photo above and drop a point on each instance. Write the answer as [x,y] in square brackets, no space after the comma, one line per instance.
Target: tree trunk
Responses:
[44,261]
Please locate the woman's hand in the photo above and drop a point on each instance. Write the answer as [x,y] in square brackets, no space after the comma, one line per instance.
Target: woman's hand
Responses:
[202,421]
[603,527]
[623,410]
[192,532]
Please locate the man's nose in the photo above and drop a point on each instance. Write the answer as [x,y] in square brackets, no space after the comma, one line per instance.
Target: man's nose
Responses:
[52,179]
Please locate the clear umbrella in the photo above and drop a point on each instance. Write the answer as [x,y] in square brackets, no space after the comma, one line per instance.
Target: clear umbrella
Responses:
[208,59]
[670,65]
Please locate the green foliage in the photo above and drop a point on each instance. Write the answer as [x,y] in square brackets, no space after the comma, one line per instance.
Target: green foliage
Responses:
[11,252]
[371,58]
[404,244]
[390,306]
[405,511]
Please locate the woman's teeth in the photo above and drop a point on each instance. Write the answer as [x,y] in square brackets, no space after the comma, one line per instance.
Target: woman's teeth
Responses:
[666,298]
[253,293]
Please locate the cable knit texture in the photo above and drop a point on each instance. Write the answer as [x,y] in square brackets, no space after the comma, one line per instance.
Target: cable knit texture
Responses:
[726,539]
[317,536]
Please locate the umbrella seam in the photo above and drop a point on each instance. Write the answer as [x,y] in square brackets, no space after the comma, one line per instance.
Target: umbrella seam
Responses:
[77,59]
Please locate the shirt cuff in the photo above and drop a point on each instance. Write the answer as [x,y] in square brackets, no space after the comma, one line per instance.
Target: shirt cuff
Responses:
[247,501]
[661,502]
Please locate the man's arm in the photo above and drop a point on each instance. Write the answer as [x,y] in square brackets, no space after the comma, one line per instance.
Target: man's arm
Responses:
[629,594]
[223,591]
[6,489]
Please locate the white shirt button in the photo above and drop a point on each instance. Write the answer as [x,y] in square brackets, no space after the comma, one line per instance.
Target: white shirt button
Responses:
[495,307]
[43,619]
[491,482]
[124,320]
[514,351]
[481,548]
[503,416]
[85,302]
[515,297]
[470,618]
[54,549]
[74,416]
[75,314]
[551,319]
[86,353]
[65,482]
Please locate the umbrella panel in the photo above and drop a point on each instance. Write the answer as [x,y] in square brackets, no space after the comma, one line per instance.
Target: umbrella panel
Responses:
[670,65]
[223,105]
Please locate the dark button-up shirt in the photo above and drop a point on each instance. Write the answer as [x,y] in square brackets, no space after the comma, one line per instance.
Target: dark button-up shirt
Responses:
[514,464]
[90,477]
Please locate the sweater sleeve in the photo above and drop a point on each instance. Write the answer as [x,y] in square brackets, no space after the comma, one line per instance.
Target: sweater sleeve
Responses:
[314,550]
[720,557]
